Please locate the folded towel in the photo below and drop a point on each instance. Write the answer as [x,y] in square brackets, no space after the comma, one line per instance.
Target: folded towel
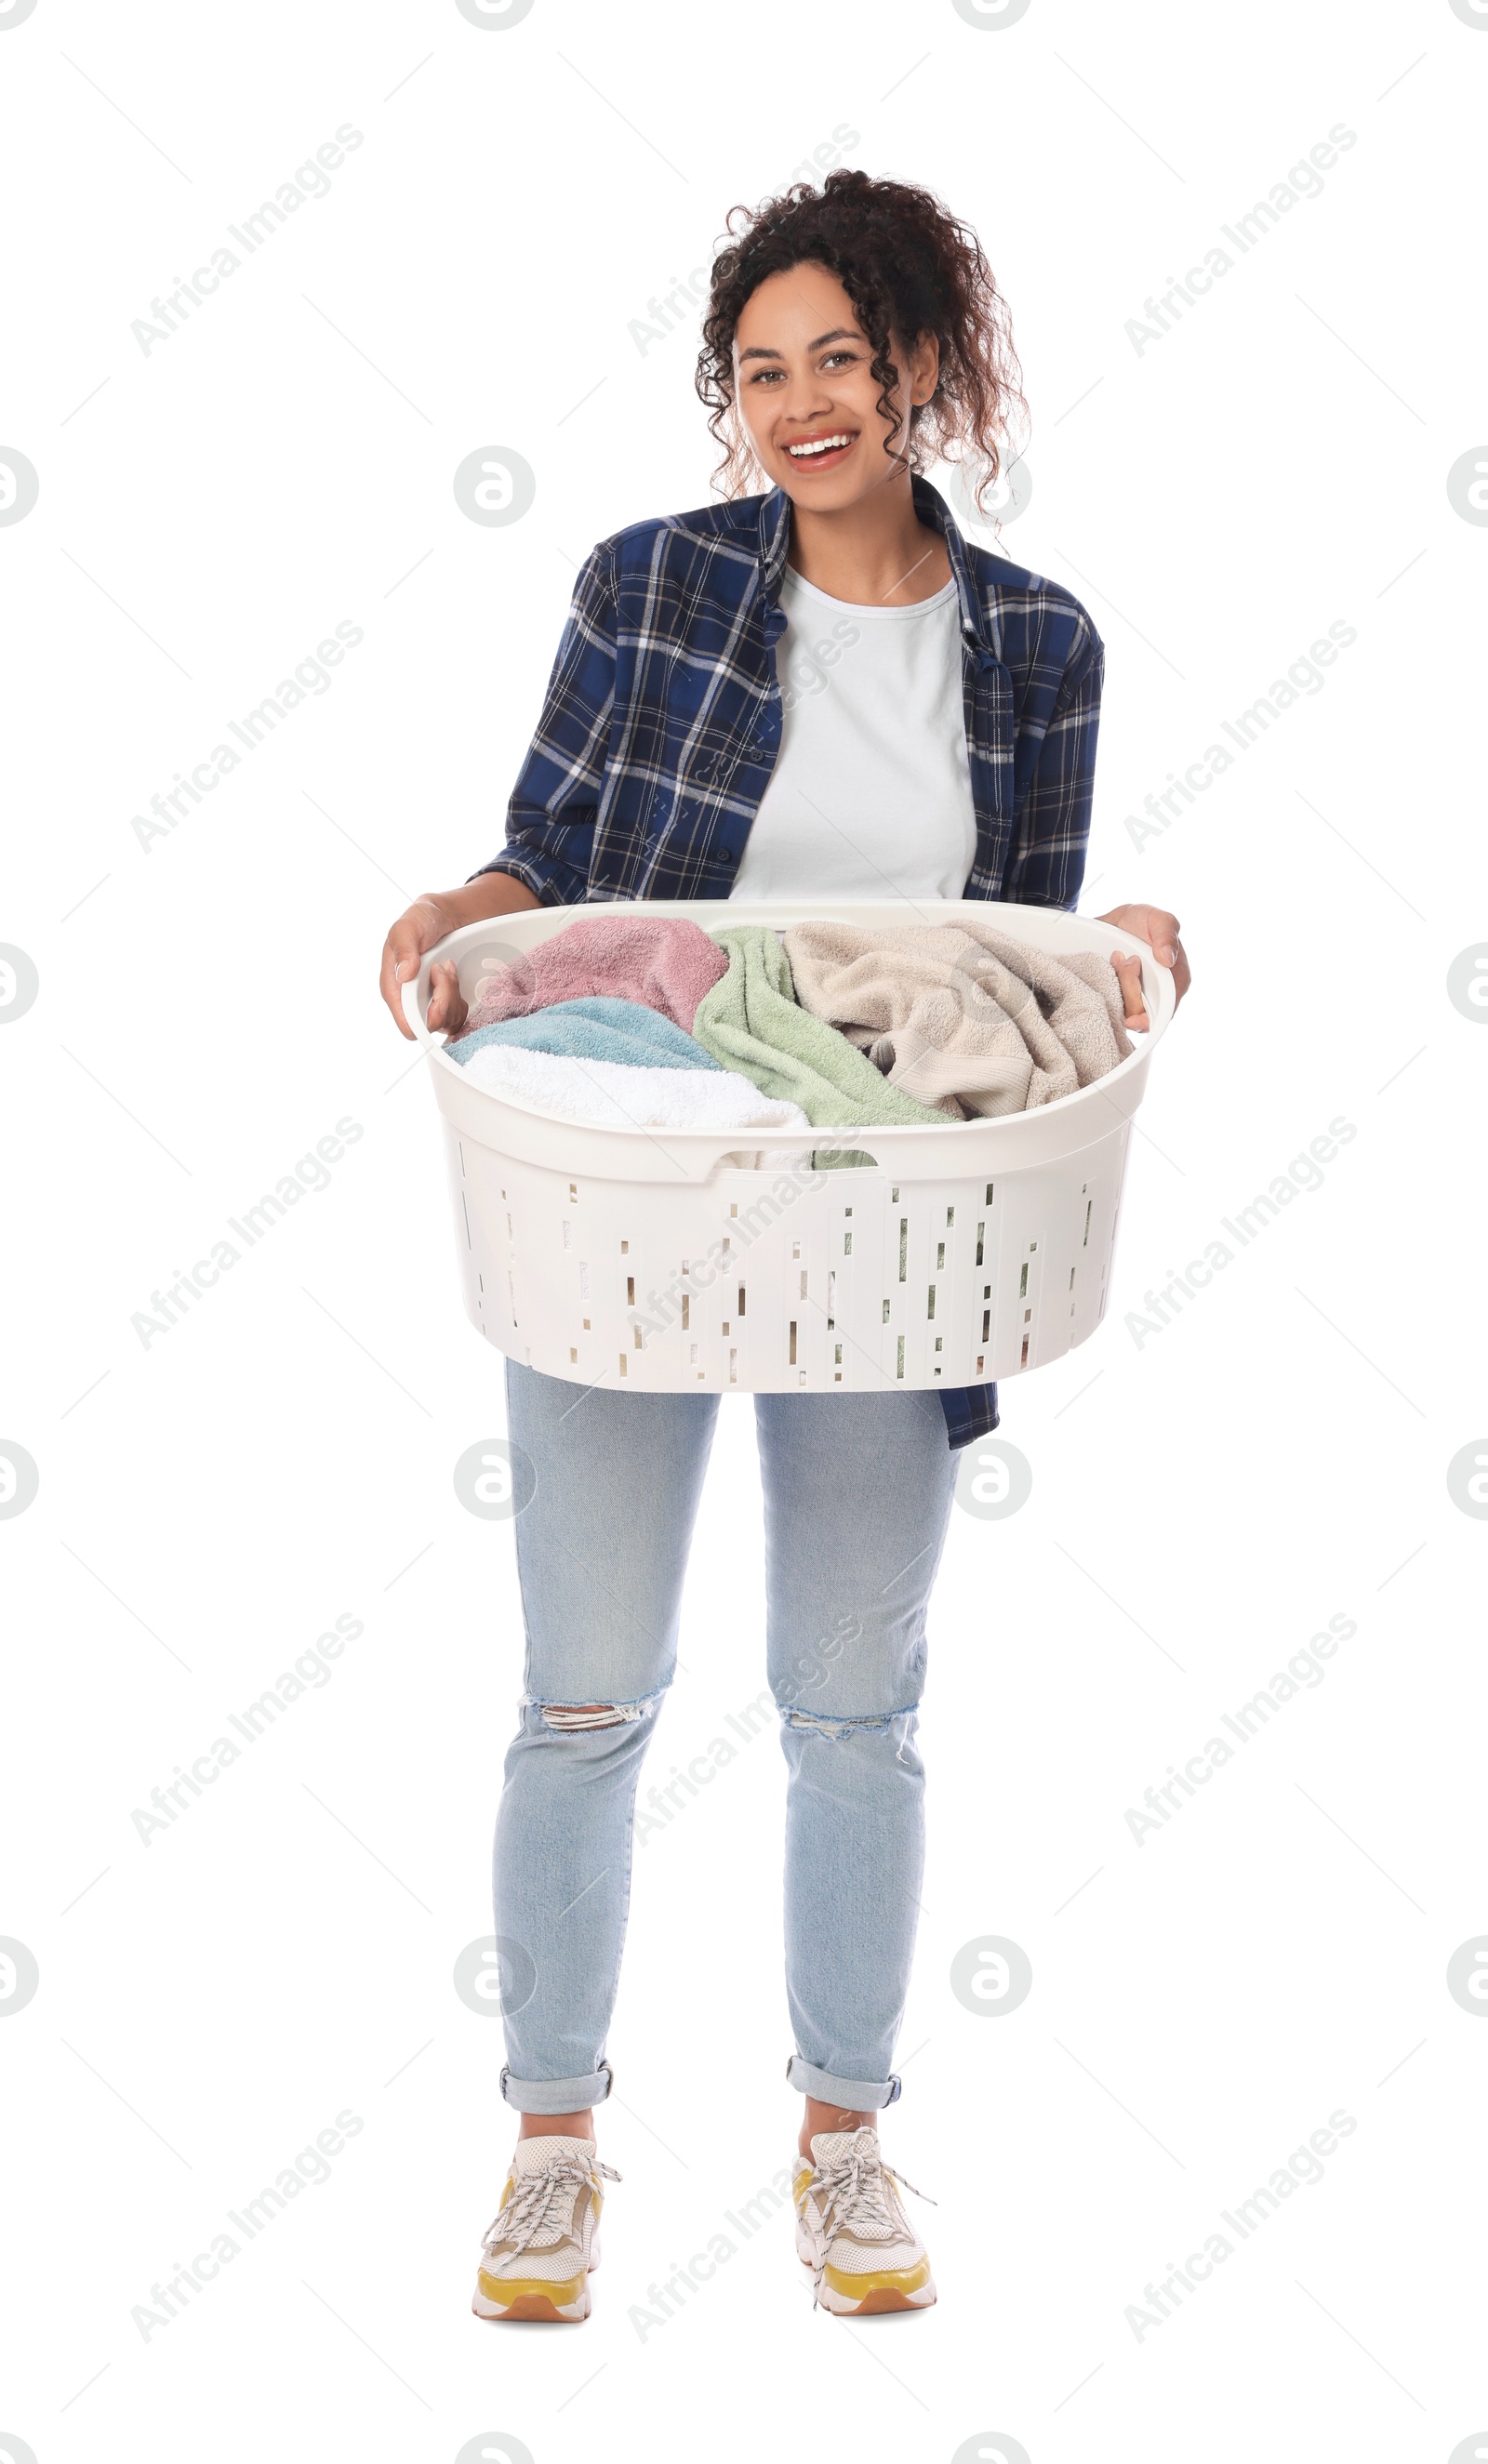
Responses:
[665,961]
[962,1015]
[628,1097]
[751,1021]
[591,1031]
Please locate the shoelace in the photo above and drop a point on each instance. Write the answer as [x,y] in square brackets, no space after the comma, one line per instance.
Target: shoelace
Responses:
[527,2214]
[853,2191]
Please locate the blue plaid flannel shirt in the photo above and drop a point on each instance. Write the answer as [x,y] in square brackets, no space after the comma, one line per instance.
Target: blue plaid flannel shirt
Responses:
[662,724]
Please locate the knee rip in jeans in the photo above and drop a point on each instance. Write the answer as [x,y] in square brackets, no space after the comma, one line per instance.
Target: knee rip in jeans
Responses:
[823,1724]
[563,1718]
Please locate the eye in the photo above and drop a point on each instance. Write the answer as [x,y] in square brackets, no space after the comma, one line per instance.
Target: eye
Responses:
[846,359]
[765,376]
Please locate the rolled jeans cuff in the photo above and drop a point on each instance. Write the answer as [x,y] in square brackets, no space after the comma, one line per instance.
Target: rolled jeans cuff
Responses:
[557,2096]
[859,2095]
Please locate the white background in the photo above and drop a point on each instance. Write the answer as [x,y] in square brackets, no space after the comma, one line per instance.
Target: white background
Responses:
[1203,1502]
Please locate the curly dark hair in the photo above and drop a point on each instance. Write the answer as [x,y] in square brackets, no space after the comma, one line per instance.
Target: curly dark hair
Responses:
[910,268]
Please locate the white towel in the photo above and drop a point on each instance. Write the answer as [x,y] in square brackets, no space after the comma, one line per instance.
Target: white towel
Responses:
[627,1096]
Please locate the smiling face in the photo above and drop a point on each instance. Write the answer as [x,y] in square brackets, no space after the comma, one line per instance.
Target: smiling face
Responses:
[805,388]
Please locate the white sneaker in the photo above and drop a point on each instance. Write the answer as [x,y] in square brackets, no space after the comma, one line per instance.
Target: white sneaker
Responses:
[852,2229]
[540,2246]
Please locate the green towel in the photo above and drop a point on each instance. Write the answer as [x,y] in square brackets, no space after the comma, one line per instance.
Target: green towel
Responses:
[751,1021]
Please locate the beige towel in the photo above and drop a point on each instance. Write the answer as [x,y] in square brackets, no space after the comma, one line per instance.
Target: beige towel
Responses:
[961,1016]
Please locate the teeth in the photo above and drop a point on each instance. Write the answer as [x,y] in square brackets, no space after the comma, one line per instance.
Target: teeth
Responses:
[816,445]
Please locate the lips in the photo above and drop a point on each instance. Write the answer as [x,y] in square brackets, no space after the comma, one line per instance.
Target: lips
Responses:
[821,451]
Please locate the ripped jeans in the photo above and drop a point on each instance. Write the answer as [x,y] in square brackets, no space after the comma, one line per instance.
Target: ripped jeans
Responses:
[857,1494]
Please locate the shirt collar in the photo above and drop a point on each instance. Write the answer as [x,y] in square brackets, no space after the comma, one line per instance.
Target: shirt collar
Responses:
[932,509]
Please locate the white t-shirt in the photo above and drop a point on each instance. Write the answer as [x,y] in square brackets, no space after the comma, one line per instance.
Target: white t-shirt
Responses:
[871,795]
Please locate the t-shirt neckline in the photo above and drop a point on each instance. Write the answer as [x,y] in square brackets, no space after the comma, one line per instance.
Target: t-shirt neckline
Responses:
[797,583]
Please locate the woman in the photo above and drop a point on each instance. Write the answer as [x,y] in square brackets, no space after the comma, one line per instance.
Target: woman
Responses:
[824,690]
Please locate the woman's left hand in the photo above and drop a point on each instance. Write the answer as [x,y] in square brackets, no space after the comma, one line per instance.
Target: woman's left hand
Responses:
[1160,931]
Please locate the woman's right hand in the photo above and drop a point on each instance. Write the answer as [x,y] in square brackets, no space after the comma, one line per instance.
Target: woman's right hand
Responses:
[431,920]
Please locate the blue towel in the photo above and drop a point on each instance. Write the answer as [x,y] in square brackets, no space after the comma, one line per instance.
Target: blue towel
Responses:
[595,1028]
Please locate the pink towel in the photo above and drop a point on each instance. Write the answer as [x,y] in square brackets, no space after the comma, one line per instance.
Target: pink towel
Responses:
[667,961]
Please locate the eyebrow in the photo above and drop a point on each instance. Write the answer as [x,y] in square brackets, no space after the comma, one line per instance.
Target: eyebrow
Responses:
[838,334]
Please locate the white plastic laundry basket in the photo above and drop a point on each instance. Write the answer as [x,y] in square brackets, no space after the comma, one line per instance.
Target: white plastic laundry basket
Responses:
[668,1260]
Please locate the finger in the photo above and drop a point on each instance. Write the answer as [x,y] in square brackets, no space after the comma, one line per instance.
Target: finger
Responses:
[447,1007]
[1128,975]
[416,930]
[1163,933]
[400,961]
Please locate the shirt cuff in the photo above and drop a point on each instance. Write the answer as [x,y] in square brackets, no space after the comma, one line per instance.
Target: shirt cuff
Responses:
[532,876]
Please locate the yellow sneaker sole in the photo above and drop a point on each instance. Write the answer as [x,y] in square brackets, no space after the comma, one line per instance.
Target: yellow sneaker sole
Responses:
[866,2296]
[565,2304]
[531,2306]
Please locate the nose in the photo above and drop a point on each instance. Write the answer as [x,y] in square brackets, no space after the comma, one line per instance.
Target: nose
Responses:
[806,398]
